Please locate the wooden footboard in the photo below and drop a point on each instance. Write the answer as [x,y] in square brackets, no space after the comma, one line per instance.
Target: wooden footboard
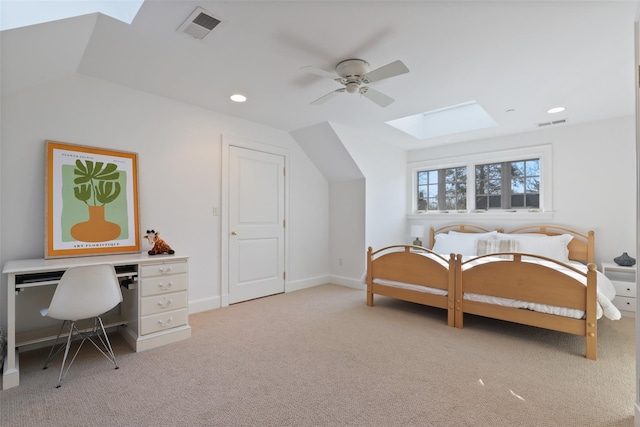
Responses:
[526,281]
[414,266]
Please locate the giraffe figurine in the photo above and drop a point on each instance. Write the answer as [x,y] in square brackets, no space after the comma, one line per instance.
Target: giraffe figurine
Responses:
[160,247]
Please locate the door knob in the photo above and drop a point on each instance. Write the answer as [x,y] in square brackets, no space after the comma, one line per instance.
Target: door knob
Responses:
[234,233]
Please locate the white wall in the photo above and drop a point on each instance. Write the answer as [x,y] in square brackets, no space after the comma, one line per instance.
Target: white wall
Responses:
[179,151]
[594,180]
[347,231]
[384,168]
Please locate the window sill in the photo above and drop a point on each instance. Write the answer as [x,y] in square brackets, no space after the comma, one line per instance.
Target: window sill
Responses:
[516,216]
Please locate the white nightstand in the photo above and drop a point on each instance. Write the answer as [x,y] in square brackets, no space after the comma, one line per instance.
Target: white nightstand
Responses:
[624,280]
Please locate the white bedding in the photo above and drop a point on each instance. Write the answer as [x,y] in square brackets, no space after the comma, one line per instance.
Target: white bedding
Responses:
[606,292]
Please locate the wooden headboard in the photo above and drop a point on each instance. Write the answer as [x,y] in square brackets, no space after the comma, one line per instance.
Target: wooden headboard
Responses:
[461,228]
[581,247]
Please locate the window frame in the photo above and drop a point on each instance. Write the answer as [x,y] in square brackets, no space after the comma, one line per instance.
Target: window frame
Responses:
[542,152]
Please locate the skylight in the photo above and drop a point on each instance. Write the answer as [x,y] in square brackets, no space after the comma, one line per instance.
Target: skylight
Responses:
[21,13]
[445,121]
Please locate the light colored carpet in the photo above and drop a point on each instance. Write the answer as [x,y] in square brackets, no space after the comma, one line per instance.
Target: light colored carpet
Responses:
[321,357]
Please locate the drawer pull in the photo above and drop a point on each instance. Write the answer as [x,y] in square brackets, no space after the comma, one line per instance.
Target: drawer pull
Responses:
[165,304]
[165,324]
[165,287]
[165,270]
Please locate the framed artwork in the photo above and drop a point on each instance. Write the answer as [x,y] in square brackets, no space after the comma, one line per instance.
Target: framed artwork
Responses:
[91,202]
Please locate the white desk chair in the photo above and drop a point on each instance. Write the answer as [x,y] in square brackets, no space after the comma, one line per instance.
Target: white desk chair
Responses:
[84,292]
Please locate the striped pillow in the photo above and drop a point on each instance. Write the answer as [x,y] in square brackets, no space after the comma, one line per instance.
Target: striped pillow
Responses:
[492,246]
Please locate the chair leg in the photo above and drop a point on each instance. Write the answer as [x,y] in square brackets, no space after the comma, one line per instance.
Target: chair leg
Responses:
[102,344]
[53,354]
[106,349]
[66,353]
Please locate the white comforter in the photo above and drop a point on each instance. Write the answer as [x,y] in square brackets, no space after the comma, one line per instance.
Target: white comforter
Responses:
[606,292]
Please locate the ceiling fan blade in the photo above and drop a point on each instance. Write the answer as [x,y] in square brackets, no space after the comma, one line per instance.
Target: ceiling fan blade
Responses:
[320,72]
[378,97]
[327,97]
[390,70]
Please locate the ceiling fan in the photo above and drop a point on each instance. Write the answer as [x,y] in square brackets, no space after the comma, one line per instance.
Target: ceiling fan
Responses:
[355,75]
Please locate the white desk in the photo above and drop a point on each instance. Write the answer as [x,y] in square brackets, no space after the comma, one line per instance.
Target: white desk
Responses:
[153,311]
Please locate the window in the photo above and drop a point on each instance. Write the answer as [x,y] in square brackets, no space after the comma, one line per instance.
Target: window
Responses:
[503,181]
[443,189]
[508,185]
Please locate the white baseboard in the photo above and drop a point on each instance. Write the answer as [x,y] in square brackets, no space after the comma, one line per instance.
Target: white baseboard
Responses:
[348,282]
[212,303]
[306,283]
[204,304]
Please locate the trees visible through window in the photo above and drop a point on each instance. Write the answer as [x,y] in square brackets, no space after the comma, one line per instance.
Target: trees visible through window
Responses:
[443,189]
[508,185]
[496,185]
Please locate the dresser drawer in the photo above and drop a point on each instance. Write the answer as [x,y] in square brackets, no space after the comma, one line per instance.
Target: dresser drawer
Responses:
[162,303]
[162,321]
[625,289]
[625,303]
[163,269]
[163,284]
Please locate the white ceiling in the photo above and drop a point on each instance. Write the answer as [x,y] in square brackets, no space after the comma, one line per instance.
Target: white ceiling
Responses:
[527,56]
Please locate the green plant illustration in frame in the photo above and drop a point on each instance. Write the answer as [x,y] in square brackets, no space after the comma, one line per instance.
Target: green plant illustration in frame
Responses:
[87,174]
[93,185]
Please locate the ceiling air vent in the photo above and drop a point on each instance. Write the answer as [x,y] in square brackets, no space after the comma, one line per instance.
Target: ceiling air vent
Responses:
[555,122]
[199,24]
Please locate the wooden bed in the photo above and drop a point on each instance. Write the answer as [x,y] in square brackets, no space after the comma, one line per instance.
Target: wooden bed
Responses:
[419,268]
[516,279]
[509,275]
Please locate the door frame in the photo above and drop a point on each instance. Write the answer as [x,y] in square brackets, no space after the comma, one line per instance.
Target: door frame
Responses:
[227,142]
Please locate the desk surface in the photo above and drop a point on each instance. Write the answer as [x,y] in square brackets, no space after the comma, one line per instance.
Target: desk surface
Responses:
[41,264]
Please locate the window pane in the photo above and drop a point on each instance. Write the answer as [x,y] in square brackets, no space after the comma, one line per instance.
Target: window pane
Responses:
[422,178]
[495,170]
[495,201]
[481,203]
[433,190]
[533,167]
[517,201]
[533,185]
[517,169]
[517,185]
[494,186]
[533,201]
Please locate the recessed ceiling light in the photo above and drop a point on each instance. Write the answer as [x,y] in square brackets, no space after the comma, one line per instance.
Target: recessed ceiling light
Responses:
[556,110]
[238,98]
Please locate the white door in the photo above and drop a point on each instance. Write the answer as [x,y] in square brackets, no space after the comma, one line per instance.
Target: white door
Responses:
[256,224]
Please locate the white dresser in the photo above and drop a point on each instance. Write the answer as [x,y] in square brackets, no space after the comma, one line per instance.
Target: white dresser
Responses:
[624,280]
[157,310]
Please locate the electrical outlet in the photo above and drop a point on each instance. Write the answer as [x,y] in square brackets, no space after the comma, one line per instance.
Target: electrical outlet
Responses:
[339,261]
[216,211]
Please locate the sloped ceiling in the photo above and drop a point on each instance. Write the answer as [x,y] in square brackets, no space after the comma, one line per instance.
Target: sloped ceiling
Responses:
[515,58]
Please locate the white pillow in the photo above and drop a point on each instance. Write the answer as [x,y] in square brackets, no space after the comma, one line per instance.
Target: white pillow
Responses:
[459,243]
[554,247]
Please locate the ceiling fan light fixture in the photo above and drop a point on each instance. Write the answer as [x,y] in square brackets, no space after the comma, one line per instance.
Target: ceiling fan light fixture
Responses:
[353,87]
